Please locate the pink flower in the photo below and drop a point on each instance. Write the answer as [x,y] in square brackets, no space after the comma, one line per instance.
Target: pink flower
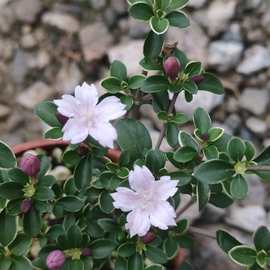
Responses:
[146,201]
[55,260]
[86,117]
[172,67]
[30,164]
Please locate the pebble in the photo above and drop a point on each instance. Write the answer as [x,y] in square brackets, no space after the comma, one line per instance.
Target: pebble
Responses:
[197,3]
[7,19]
[256,58]
[36,93]
[224,55]
[95,41]
[4,111]
[256,125]
[137,29]
[119,6]
[248,218]
[63,22]
[61,173]
[97,4]
[28,41]
[254,100]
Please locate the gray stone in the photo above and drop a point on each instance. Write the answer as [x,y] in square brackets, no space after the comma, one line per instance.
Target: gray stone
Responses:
[27,10]
[224,55]
[191,40]
[98,4]
[233,33]
[203,99]
[197,3]
[35,94]
[95,41]
[4,111]
[147,111]
[129,53]
[137,29]
[252,4]
[256,125]
[7,19]
[248,218]
[256,58]
[61,21]
[28,41]
[120,6]
[254,100]
[266,21]
[6,49]
[39,60]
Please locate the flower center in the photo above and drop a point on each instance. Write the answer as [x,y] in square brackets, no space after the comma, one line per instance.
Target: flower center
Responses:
[74,253]
[29,190]
[240,167]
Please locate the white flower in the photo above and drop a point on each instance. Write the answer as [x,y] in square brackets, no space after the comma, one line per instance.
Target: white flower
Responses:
[146,201]
[86,117]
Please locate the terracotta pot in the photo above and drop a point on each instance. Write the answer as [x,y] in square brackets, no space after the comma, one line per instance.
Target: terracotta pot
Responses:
[113,154]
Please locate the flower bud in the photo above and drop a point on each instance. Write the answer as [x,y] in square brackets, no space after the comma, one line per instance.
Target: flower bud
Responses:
[26,206]
[86,252]
[30,164]
[197,78]
[172,67]
[61,118]
[148,238]
[55,260]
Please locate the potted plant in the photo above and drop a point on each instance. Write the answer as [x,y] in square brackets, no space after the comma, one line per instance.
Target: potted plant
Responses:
[121,209]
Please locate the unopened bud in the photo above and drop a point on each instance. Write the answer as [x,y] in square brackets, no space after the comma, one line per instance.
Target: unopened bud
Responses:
[30,164]
[172,67]
[148,238]
[198,78]
[26,206]
[61,118]
[86,252]
[55,260]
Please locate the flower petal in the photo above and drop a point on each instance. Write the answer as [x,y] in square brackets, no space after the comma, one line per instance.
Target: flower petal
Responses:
[165,188]
[74,131]
[138,223]
[104,133]
[86,94]
[125,199]
[67,106]
[141,179]
[163,215]
[110,108]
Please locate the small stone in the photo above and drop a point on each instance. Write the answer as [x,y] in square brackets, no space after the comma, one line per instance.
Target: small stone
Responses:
[63,22]
[137,29]
[4,111]
[254,100]
[39,60]
[35,94]
[225,55]
[248,218]
[256,58]
[61,173]
[122,52]
[233,33]
[192,213]
[6,49]
[252,4]
[97,4]
[197,3]
[147,111]
[256,125]
[27,10]
[95,41]
[119,6]
[7,19]
[28,41]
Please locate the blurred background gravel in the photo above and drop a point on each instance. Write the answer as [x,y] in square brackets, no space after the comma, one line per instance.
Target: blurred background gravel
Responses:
[48,47]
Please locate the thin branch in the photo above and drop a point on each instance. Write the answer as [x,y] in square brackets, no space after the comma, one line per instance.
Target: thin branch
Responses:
[182,210]
[163,129]
[201,232]
[262,168]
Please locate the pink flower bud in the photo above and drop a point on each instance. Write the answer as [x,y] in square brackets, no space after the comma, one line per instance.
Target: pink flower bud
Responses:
[172,67]
[197,78]
[26,206]
[148,238]
[55,260]
[61,118]
[30,164]
[86,252]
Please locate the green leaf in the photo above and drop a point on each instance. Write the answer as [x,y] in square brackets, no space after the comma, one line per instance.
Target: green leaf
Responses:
[74,236]
[141,11]
[7,158]
[133,138]
[120,264]
[53,133]
[178,4]
[171,134]
[47,112]
[127,249]
[162,4]
[190,87]
[8,225]
[161,101]
[182,226]
[44,194]
[136,262]
[106,202]
[211,84]
[178,19]
[153,45]
[262,239]
[243,255]
[118,70]
[264,157]
[226,242]
[156,255]
[203,195]
[193,68]
[236,149]
[136,82]
[155,84]
[211,152]
[239,187]
[185,154]
[215,134]
[21,245]
[159,25]
[155,267]
[185,139]
[32,223]
[17,175]
[202,121]
[171,247]
[102,248]
[214,171]
[5,263]
[106,224]
[83,172]
[11,191]
[21,263]
[70,204]
[155,161]
[250,151]
[112,84]
[181,56]
[262,259]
